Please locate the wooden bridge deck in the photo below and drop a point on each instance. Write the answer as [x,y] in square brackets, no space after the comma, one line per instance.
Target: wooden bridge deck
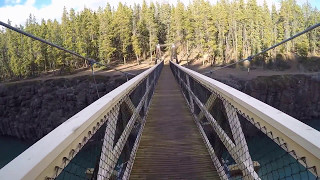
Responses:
[171,146]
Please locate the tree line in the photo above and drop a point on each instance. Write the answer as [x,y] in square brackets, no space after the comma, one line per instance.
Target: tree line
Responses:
[228,30]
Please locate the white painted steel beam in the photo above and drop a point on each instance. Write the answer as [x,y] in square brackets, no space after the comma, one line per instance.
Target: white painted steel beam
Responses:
[41,159]
[190,96]
[113,153]
[106,157]
[299,137]
[132,107]
[220,169]
[208,105]
[240,142]
[234,149]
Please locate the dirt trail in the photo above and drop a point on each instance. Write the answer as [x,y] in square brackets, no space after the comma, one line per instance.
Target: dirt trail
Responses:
[133,68]
[242,73]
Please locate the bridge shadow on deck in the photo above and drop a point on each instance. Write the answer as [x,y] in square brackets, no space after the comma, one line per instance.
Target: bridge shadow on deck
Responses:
[171,146]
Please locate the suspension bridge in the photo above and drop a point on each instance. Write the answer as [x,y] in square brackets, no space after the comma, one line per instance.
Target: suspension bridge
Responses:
[170,122]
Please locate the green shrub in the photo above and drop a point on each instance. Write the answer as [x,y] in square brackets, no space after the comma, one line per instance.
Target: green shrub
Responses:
[302,48]
[310,63]
[279,63]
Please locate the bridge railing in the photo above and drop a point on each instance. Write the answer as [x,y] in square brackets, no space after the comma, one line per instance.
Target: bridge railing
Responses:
[246,138]
[99,142]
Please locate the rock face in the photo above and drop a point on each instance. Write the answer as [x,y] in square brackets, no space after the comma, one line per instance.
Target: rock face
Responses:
[33,109]
[296,95]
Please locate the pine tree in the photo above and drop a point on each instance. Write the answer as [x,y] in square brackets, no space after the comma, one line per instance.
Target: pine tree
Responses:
[106,35]
[148,18]
[42,57]
[54,35]
[5,71]
[266,30]
[189,30]
[163,21]
[136,45]
[225,31]
[30,49]
[222,26]
[123,28]
[178,24]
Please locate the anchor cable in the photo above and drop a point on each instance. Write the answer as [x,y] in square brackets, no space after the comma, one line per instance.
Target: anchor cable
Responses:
[89,60]
[249,58]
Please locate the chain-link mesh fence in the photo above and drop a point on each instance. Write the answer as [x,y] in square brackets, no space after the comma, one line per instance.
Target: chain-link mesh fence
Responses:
[239,146]
[109,149]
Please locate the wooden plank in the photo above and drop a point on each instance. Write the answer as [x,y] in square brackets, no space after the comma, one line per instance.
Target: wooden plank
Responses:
[299,137]
[171,146]
[40,160]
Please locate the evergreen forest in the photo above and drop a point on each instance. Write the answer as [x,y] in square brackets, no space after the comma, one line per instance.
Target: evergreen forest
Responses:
[227,31]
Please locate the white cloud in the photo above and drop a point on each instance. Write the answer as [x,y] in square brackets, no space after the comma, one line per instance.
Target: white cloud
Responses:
[18,13]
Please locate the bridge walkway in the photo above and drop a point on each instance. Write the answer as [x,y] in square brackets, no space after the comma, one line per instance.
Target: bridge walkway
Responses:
[171,146]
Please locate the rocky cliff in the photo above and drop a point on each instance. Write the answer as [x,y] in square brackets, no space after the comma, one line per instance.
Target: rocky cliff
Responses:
[31,110]
[296,95]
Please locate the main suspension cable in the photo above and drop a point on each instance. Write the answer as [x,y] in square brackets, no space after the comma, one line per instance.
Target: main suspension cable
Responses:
[249,58]
[90,61]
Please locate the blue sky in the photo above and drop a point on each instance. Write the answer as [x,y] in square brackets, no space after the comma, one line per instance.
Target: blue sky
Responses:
[19,10]
[315,3]
[38,3]
[41,3]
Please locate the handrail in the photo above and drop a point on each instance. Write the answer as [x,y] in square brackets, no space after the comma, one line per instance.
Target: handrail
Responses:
[41,159]
[301,138]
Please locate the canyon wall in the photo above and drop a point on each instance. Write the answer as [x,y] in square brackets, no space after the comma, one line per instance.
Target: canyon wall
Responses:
[31,110]
[296,95]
